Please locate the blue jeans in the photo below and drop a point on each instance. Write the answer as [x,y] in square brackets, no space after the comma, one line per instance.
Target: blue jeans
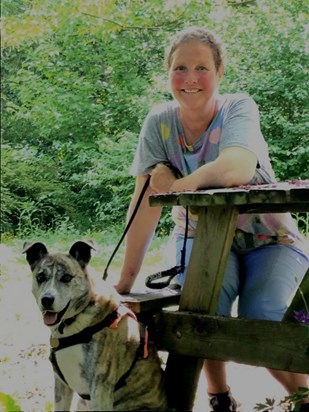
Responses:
[264,280]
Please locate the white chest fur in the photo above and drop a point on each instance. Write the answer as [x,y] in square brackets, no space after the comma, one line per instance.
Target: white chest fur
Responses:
[70,362]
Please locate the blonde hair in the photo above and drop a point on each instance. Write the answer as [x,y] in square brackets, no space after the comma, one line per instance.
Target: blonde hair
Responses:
[201,35]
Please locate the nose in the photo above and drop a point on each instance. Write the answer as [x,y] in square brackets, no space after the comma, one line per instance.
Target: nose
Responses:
[47,301]
[191,77]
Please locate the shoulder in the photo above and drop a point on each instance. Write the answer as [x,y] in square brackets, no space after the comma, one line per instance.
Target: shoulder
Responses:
[236,99]
[238,104]
[164,110]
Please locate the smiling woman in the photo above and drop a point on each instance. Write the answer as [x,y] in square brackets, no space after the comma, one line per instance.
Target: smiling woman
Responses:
[214,140]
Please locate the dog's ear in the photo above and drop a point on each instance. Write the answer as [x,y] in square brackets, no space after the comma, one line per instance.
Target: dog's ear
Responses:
[34,252]
[81,251]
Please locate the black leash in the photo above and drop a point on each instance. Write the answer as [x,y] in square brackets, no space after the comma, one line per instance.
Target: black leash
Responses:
[139,200]
[152,280]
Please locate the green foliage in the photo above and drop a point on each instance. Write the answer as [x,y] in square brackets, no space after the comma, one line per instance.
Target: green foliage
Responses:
[8,403]
[294,401]
[79,78]
[289,403]
[265,407]
[302,220]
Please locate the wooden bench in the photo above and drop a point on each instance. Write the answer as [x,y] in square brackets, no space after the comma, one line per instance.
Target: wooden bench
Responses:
[194,333]
[151,301]
[216,337]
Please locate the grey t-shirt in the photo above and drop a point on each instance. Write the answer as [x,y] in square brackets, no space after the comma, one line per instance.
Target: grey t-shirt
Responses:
[236,124]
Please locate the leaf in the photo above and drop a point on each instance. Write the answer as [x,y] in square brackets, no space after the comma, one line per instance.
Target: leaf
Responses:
[8,403]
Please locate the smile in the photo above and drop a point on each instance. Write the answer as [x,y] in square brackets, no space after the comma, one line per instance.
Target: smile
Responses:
[191,91]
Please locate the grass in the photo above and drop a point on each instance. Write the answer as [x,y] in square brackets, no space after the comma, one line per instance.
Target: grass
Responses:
[104,243]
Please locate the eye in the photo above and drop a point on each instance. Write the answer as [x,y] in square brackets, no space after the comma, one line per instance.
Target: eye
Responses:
[40,277]
[202,69]
[66,278]
[180,69]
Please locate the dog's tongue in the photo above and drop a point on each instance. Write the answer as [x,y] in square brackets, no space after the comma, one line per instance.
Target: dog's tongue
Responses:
[50,318]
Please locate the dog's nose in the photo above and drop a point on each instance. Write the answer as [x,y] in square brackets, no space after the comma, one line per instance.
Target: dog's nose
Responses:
[47,301]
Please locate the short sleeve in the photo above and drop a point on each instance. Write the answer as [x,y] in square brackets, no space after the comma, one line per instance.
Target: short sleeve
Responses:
[150,149]
[241,128]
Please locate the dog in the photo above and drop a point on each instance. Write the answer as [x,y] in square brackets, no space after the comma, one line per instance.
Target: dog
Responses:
[97,346]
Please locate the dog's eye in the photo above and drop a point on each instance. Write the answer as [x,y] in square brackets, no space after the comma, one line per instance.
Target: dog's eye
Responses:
[66,278]
[40,277]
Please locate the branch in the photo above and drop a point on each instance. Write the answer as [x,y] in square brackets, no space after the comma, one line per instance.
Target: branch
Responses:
[171,23]
[242,3]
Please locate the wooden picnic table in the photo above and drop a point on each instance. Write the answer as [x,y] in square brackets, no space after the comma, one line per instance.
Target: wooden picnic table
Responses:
[194,332]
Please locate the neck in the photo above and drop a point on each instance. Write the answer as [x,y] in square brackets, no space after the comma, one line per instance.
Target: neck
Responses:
[196,123]
[200,116]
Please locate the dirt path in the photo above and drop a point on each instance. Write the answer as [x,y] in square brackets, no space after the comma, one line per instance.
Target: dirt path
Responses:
[25,372]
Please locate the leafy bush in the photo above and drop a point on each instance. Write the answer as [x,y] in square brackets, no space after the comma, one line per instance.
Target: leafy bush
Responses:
[79,78]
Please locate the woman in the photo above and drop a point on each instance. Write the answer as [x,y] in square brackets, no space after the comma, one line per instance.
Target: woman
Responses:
[215,141]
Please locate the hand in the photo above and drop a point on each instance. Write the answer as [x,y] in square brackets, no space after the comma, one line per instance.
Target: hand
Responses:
[124,284]
[162,178]
[122,288]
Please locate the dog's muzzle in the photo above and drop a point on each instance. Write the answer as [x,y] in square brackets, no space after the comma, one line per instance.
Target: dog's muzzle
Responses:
[51,318]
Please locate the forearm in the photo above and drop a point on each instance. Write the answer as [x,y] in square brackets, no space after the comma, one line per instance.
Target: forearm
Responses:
[138,238]
[231,168]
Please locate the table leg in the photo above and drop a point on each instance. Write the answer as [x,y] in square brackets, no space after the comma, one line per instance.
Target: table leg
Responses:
[212,243]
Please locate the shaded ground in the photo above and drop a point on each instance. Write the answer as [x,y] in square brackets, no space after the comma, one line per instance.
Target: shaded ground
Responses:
[25,372]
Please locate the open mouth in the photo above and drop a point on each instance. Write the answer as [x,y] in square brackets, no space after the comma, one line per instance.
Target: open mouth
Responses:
[52,318]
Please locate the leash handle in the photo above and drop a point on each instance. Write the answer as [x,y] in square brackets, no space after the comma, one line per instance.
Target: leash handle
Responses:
[169,273]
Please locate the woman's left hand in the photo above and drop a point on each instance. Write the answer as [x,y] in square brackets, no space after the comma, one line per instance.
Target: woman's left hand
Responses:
[162,178]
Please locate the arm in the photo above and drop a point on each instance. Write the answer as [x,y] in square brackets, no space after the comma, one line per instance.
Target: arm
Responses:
[233,167]
[139,236]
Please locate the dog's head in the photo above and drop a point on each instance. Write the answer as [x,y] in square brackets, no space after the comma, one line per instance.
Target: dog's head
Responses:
[60,285]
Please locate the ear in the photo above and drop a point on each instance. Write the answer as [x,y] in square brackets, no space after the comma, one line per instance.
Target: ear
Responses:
[34,252]
[81,251]
[220,71]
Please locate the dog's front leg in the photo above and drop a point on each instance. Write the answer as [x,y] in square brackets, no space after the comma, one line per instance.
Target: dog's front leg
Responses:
[63,395]
[102,398]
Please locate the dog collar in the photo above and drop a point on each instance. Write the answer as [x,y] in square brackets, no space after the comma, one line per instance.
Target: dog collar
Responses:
[85,335]
[111,321]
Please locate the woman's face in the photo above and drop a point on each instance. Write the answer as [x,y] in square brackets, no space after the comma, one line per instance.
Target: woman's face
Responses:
[193,76]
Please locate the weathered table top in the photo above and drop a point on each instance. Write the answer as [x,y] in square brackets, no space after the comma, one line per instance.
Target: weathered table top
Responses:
[291,195]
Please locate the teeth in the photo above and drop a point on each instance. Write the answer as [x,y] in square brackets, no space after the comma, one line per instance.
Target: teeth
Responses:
[192,91]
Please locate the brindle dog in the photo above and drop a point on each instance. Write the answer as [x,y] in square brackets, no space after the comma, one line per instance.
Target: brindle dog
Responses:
[97,348]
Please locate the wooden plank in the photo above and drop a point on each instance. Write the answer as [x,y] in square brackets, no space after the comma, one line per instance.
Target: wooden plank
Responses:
[292,196]
[213,238]
[151,301]
[212,244]
[298,302]
[278,345]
